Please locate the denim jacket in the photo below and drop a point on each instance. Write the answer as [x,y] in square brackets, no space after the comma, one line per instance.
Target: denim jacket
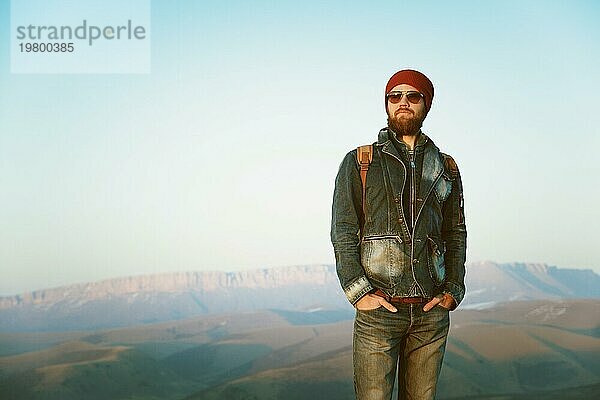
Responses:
[380,252]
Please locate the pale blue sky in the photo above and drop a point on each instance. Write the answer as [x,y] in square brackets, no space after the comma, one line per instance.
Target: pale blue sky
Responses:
[224,156]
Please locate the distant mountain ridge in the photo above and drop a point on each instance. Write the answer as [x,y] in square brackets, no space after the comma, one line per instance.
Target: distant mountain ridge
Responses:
[171,296]
[492,282]
[201,281]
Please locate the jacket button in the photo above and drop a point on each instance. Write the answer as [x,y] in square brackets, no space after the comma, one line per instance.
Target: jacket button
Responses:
[415,261]
[396,200]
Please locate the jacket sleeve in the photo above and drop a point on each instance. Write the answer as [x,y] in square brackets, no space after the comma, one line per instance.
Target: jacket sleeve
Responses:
[454,233]
[345,227]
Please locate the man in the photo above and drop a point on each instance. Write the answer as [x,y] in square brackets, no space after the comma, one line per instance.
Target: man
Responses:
[400,253]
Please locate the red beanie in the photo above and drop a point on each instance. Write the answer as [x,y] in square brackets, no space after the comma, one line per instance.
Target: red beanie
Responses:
[414,79]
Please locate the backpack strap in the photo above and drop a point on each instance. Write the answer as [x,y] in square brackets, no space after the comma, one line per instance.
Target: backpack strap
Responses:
[450,166]
[364,156]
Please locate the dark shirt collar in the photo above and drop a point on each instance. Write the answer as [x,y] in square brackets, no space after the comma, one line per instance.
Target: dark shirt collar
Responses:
[388,134]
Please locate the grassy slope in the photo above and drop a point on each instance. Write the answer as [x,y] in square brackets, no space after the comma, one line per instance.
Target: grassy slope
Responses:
[522,347]
[512,349]
[111,373]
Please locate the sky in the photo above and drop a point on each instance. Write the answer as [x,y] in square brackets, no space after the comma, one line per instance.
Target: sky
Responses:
[223,156]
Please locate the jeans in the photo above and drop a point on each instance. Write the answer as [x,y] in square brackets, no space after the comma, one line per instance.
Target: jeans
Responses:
[410,340]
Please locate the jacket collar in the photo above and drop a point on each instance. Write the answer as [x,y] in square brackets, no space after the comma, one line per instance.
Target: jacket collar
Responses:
[387,135]
[384,139]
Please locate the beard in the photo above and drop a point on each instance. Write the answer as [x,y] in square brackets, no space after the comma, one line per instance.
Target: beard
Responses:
[406,125]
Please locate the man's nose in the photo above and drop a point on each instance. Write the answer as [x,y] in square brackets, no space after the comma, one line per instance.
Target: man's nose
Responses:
[404,101]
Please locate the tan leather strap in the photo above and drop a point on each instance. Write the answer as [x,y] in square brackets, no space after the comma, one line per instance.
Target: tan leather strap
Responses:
[364,155]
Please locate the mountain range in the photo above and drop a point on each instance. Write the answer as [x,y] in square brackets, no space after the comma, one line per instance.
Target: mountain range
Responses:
[135,300]
[522,331]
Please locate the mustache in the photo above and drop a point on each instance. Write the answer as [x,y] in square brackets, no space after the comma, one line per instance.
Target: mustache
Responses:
[403,109]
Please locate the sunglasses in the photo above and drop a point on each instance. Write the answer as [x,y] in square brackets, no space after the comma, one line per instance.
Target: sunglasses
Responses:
[395,97]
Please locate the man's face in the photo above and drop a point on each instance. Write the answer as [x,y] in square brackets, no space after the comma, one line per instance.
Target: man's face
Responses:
[404,117]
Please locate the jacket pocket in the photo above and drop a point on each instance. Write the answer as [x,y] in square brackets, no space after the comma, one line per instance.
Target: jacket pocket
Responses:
[437,266]
[382,259]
